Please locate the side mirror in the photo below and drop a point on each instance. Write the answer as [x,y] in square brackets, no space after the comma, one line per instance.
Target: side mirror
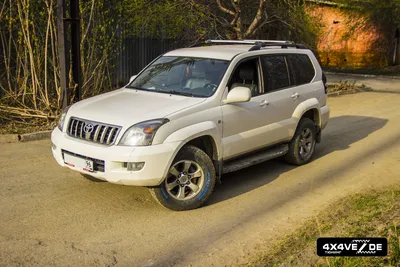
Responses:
[132,78]
[238,95]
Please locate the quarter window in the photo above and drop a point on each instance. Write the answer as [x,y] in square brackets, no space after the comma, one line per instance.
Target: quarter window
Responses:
[275,72]
[302,69]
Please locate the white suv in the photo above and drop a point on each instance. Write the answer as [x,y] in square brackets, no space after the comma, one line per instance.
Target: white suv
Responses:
[196,113]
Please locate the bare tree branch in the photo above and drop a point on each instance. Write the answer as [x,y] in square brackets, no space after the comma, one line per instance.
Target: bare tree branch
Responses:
[257,19]
[224,9]
[236,6]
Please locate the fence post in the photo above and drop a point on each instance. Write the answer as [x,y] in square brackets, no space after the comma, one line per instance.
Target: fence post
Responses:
[62,52]
[75,48]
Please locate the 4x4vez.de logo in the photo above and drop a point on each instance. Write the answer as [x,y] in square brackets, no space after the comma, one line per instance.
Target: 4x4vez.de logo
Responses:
[352,247]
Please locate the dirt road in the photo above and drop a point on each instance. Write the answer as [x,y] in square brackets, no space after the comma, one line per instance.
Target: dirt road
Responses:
[53,216]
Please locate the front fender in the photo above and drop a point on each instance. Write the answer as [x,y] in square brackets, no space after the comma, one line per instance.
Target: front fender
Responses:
[194,131]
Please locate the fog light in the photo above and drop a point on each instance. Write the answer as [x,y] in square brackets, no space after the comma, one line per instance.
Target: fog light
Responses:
[54,147]
[135,166]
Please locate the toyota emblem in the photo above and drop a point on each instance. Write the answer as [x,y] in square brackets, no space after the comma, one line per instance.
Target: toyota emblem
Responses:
[88,128]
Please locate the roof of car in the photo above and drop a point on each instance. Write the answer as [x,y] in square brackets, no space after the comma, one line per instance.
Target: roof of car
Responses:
[223,52]
[229,51]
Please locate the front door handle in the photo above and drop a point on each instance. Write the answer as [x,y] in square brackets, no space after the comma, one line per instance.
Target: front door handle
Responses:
[264,103]
[295,95]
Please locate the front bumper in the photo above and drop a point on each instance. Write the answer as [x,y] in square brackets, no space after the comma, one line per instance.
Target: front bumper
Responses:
[157,158]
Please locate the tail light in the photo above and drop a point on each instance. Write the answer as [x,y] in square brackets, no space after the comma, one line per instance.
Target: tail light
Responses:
[325,81]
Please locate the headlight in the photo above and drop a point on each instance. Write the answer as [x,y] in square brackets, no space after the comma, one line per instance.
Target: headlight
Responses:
[142,134]
[62,119]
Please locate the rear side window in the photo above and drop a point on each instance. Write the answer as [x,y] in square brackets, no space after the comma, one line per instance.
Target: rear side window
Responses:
[275,71]
[302,69]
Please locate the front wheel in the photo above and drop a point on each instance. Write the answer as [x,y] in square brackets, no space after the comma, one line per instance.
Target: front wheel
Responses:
[189,182]
[302,146]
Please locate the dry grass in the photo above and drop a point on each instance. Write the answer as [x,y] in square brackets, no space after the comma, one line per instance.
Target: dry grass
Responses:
[25,126]
[373,214]
[345,86]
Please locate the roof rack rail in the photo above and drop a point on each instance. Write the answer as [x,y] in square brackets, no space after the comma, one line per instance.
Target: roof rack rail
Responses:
[260,46]
[222,42]
[269,41]
[257,44]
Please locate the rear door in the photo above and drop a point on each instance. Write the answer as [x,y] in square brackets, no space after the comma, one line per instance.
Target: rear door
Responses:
[281,98]
[302,74]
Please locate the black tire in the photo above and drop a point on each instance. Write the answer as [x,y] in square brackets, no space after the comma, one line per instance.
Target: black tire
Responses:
[91,178]
[201,163]
[299,144]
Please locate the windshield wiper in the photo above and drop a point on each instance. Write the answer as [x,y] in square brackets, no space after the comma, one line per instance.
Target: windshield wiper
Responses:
[174,92]
[146,89]
[134,87]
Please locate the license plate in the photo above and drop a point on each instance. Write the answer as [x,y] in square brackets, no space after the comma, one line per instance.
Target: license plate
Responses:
[80,163]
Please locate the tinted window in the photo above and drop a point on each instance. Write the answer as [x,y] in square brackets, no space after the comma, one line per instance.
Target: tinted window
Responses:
[275,73]
[302,69]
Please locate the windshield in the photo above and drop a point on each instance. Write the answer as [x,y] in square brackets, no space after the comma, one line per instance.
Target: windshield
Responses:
[196,77]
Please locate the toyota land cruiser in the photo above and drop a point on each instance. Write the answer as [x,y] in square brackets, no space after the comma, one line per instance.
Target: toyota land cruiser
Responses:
[196,113]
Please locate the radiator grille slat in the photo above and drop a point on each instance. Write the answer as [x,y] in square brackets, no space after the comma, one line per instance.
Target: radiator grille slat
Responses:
[103,135]
[76,128]
[81,129]
[96,135]
[93,131]
[110,136]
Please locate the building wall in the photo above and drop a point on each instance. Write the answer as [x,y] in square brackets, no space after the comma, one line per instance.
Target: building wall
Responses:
[343,41]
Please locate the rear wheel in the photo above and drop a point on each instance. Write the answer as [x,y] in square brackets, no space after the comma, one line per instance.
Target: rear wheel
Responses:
[189,182]
[302,146]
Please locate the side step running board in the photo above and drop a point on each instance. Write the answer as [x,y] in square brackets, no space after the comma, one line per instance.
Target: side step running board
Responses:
[255,158]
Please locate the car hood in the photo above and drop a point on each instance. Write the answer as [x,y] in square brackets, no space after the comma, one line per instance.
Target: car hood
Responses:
[126,107]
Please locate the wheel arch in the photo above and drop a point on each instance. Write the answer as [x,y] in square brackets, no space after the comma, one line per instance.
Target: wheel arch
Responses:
[207,144]
[314,115]
[310,109]
[205,136]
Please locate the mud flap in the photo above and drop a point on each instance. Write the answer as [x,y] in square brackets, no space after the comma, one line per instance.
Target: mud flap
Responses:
[219,165]
[319,135]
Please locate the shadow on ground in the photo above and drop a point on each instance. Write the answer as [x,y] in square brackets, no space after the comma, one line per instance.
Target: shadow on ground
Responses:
[340,134]
[386,91]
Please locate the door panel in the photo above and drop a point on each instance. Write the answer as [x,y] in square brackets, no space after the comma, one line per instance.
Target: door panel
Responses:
[280,111]
[244,126]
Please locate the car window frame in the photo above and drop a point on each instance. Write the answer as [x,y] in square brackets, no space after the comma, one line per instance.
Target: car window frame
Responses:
[287,69]
[293,70]
[259,73]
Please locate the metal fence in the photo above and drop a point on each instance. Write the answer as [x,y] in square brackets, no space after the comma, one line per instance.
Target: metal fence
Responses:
[135,53]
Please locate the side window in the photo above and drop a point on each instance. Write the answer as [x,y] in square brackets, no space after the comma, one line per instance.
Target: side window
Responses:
[275,72]
[302,69]
[246,74]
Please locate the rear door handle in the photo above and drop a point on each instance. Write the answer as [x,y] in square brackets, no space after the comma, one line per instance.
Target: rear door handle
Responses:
[295,95]
[264,103]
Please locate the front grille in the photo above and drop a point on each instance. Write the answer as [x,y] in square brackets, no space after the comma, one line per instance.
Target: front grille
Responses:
[98,164]
[97,132]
